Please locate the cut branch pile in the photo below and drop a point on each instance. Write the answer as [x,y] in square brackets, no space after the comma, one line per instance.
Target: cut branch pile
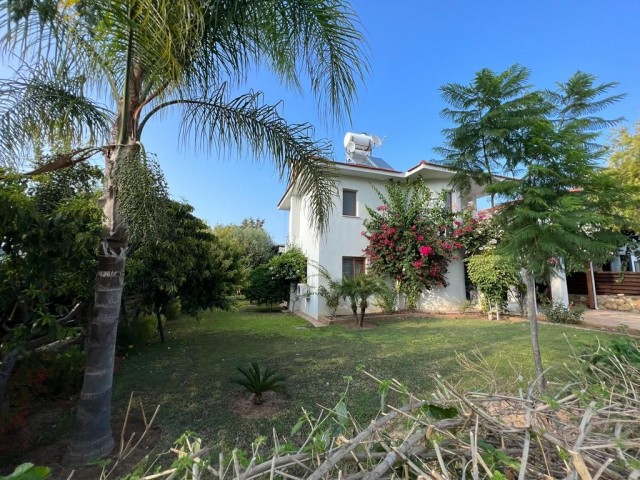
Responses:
[588,430]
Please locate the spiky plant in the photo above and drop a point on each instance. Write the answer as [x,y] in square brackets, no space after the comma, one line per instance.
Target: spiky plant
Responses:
[258,382]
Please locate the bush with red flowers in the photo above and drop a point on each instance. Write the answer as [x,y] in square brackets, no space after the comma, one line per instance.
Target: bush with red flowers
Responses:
[411,238]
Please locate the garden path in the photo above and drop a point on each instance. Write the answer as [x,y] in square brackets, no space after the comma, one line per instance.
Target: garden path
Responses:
[612,319]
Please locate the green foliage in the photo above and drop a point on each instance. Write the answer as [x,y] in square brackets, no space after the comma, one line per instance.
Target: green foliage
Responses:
[47,375]
[624,165]
[494,275]
[270,284]
[332,295]
[258,381]
[562,207]
[291,266]
[28,471]
[137,331]
[410,237]
[173,309]
[49,233]
[386,298]
[487,114]
[188,264]
[252,240]
[556,312]
[263,290]
[625,348]
[359,289]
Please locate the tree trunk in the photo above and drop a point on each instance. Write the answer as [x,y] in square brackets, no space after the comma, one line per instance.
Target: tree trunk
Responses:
[533,321]
[160,326]
[5,375]
[362,310]
[92,436]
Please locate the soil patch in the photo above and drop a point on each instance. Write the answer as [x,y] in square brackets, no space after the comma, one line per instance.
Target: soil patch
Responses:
[274,403]
[51,430]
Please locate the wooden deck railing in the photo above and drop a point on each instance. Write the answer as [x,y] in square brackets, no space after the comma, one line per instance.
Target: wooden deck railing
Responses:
[614,283]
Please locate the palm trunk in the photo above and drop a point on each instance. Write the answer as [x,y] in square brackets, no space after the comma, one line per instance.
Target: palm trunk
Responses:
[362,310]
[533,321]
[93,438]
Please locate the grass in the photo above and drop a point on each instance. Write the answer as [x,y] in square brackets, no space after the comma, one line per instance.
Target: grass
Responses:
[191,374]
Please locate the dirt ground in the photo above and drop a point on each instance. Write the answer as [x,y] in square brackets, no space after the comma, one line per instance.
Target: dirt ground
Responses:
[50,446]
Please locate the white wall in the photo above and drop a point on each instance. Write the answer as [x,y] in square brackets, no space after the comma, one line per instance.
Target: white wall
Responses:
[344,239]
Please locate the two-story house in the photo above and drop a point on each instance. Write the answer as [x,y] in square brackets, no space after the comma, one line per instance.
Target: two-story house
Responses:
[340,249]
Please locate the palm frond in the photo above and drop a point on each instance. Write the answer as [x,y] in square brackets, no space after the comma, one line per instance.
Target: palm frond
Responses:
[48,106]
[258,381]
[245,124]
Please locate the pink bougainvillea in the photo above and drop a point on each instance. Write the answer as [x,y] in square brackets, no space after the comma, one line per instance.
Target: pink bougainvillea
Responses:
[411,238]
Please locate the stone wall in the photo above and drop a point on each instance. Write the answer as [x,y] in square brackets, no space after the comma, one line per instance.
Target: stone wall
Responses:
[623,303]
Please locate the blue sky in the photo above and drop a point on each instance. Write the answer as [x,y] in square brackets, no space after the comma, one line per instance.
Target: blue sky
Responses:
[415,47]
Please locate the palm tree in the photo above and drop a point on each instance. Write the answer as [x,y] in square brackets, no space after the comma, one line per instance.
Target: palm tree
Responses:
[95,72]
[366,285]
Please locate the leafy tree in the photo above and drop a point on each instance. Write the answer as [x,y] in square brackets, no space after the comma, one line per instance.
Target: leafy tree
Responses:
[624,165]
[271,283]
[188,263]
[560,210]
[488,115]
[49,228]
[254,240]
[143,58]
[252,223]
[410,238]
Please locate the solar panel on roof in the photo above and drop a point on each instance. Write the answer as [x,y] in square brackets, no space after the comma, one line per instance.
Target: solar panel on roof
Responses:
[380,163]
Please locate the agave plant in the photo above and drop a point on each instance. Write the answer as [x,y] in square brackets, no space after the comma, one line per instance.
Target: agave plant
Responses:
[257,381]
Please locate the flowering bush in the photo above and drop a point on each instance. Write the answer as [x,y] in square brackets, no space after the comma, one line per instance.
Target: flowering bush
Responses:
[411,238]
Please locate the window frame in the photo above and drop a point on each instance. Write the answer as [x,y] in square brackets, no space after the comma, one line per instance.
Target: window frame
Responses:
[354,262]
[355,202]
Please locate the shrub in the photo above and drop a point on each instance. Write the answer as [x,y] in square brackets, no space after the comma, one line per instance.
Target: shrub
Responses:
[332,296]
[263,290]
[626,349]
[48,375]
[173,310]
[270,284]
[558,313]
[258,382]
[494,275]
[137,331]
[466,306]
[386,298]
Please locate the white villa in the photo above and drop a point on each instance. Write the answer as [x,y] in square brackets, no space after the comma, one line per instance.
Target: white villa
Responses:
[340,249]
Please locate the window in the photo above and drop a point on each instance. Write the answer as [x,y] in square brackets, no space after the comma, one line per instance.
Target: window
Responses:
[448,202]
[352,266]
[349,203]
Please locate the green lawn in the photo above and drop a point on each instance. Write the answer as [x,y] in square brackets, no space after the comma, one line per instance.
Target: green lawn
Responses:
[190,375]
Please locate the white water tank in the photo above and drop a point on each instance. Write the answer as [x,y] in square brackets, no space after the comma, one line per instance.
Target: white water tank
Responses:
[360,142]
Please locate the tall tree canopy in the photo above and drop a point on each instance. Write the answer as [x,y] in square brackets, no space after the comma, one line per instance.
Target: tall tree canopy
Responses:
[559,214]
[624,165]
[488,116]
[94,73]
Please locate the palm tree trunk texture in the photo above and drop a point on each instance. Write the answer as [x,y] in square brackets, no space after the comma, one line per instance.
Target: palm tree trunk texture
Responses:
[93,438]
[533,322]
